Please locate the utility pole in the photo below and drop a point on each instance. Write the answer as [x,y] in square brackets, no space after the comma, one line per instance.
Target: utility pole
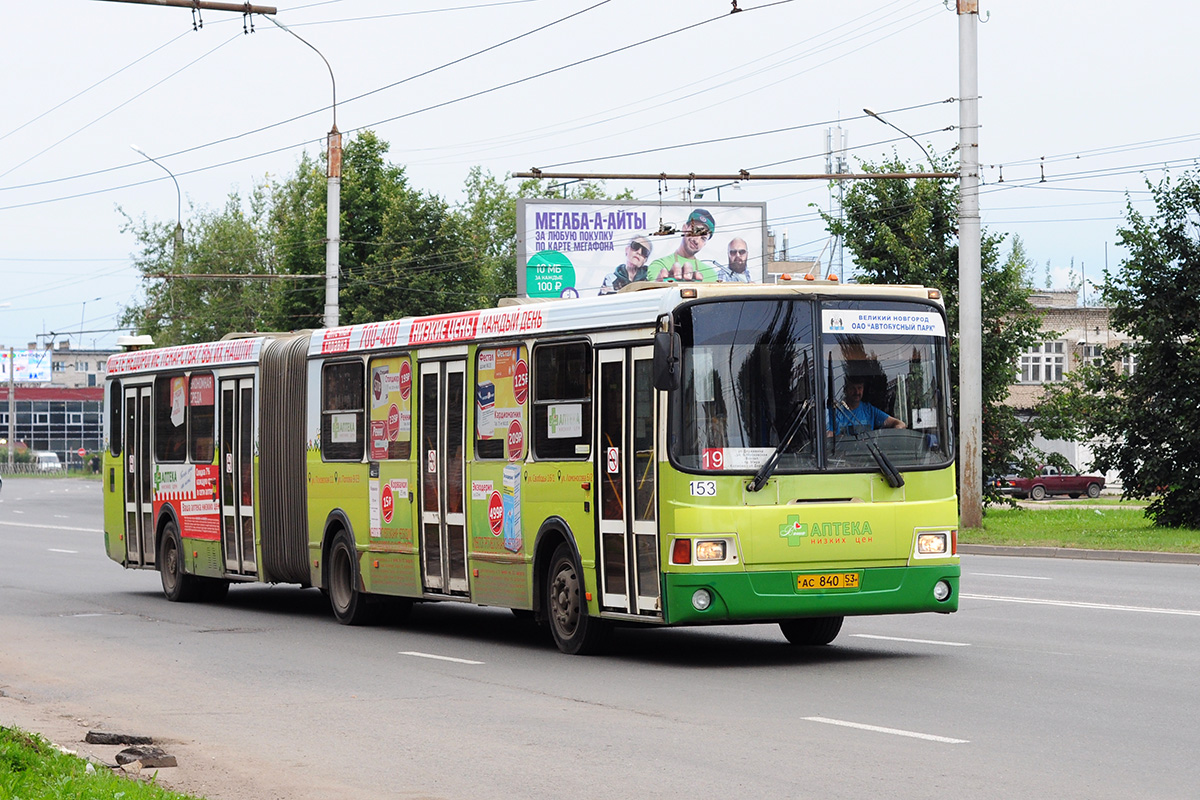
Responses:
[12,405]
[970,311]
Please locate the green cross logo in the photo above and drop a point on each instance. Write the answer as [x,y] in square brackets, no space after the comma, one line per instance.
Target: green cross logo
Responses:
[793,530]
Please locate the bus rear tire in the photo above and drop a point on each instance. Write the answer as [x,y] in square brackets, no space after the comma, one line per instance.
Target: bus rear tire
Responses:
[350,606]
[178,586]
[575,633]
[812,632]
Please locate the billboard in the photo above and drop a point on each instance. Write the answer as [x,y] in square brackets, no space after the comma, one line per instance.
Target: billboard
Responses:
[584,248]
[33,366]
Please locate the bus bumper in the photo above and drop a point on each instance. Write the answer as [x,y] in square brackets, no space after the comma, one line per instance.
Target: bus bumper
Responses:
[773,596]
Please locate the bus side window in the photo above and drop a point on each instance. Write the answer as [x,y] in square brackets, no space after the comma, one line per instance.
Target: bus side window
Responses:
[201,416]
[562,401]
[342,411]
[115,428]
[170,418]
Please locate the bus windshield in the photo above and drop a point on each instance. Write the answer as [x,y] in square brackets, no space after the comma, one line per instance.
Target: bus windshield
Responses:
[819,386]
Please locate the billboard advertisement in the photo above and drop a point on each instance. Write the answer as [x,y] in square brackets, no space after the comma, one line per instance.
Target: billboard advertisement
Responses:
[584,248]
[33,366]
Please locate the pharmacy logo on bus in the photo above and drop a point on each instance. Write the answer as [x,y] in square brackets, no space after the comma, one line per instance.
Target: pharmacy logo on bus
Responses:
[793,530]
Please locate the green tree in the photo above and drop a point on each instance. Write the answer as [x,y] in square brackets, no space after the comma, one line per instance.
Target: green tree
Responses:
[218,243]
[403,251]
[1144,422]
[906,231]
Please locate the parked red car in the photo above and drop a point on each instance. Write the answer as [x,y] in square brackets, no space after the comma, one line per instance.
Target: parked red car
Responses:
[1050,480]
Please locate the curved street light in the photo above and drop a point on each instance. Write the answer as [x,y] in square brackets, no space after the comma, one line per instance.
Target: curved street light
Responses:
[871,113]
[178,197]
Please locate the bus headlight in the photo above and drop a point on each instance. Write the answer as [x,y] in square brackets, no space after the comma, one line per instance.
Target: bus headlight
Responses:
[710,549]
[701,599]
[933,544]
[941,591]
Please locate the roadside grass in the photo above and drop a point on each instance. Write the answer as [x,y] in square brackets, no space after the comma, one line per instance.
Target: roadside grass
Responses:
[33,769]
[1116,528]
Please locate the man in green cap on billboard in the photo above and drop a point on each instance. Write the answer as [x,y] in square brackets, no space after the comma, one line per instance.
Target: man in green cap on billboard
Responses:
[682,265]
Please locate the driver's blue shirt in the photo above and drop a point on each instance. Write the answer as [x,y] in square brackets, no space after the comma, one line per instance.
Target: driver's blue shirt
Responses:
[857,420]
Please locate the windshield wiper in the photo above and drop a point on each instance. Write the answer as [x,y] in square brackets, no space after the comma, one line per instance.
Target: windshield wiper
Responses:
[893,476]
[768,467]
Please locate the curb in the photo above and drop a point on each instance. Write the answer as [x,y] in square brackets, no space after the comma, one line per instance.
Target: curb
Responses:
[1069,552]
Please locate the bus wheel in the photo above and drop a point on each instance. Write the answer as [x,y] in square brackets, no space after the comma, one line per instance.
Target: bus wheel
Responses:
[814,631]
[178,586]
[349,605]
[574,631]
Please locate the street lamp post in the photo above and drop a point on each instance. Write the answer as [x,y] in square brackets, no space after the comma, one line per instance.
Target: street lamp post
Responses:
[178,200]
[82,314]
[333,202]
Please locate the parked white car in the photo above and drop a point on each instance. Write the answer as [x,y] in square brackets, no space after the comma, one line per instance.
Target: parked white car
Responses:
[47,461]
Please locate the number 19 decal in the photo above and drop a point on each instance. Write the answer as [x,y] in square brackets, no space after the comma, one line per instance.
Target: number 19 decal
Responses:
[703,488]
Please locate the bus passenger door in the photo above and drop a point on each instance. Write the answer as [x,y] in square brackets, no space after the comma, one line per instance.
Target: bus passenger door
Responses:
[237,475]
[625,472]
[139,497]
[443,517]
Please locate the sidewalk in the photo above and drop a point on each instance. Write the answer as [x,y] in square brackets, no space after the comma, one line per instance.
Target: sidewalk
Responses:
[1068,552]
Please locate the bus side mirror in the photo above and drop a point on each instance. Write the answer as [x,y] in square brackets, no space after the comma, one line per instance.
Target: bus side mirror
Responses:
[666,361]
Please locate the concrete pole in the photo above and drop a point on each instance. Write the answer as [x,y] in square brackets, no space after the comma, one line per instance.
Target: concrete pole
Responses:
[333,214]
[970,311]
[12,405]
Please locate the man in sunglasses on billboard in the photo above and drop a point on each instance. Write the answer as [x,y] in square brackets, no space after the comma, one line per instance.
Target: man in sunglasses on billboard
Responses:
[634,268]
[683,265]
[736,271]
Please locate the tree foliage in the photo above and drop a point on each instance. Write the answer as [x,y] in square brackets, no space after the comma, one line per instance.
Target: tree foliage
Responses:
[229,242]
[1145,422]
[906,231]
[404,252]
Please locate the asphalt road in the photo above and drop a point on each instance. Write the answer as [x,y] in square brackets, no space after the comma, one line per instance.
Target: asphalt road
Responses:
[1056,678]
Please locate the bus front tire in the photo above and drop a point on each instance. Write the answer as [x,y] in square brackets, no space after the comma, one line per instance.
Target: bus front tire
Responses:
[812,632]
[350,606]
[575,633]
[178,586]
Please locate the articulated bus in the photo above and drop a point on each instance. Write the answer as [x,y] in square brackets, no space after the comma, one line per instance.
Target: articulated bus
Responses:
[667,455]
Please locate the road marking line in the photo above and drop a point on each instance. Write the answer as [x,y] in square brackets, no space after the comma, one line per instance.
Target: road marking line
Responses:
[894,731]
[1002,575]
[1078,604]
[914,641]
[52,527]
[438,658]
[56,550]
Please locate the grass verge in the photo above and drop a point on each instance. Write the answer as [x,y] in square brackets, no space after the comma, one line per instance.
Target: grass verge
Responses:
[33,769]
[1115,528]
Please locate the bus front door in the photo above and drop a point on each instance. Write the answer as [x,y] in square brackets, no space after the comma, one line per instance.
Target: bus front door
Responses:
[139,497]
[625,473]
[237,475]
[443,521]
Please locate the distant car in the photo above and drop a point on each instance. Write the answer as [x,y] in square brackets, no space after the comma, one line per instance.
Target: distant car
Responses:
[47,461]
[1050,480]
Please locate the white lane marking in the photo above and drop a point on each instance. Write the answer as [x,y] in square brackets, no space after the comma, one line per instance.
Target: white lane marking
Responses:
[52,527]
[914,641]
[438,658]
[1002,575]
[894,731]
[61,516]
[56,550]
[1076,604]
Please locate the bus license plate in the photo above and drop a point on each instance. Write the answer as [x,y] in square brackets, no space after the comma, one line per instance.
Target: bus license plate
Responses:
[828,580]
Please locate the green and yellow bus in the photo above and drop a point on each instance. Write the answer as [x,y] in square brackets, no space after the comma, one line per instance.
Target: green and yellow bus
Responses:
[668,455]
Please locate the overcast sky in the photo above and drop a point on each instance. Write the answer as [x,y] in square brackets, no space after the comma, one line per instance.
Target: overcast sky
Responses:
[1094,89]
